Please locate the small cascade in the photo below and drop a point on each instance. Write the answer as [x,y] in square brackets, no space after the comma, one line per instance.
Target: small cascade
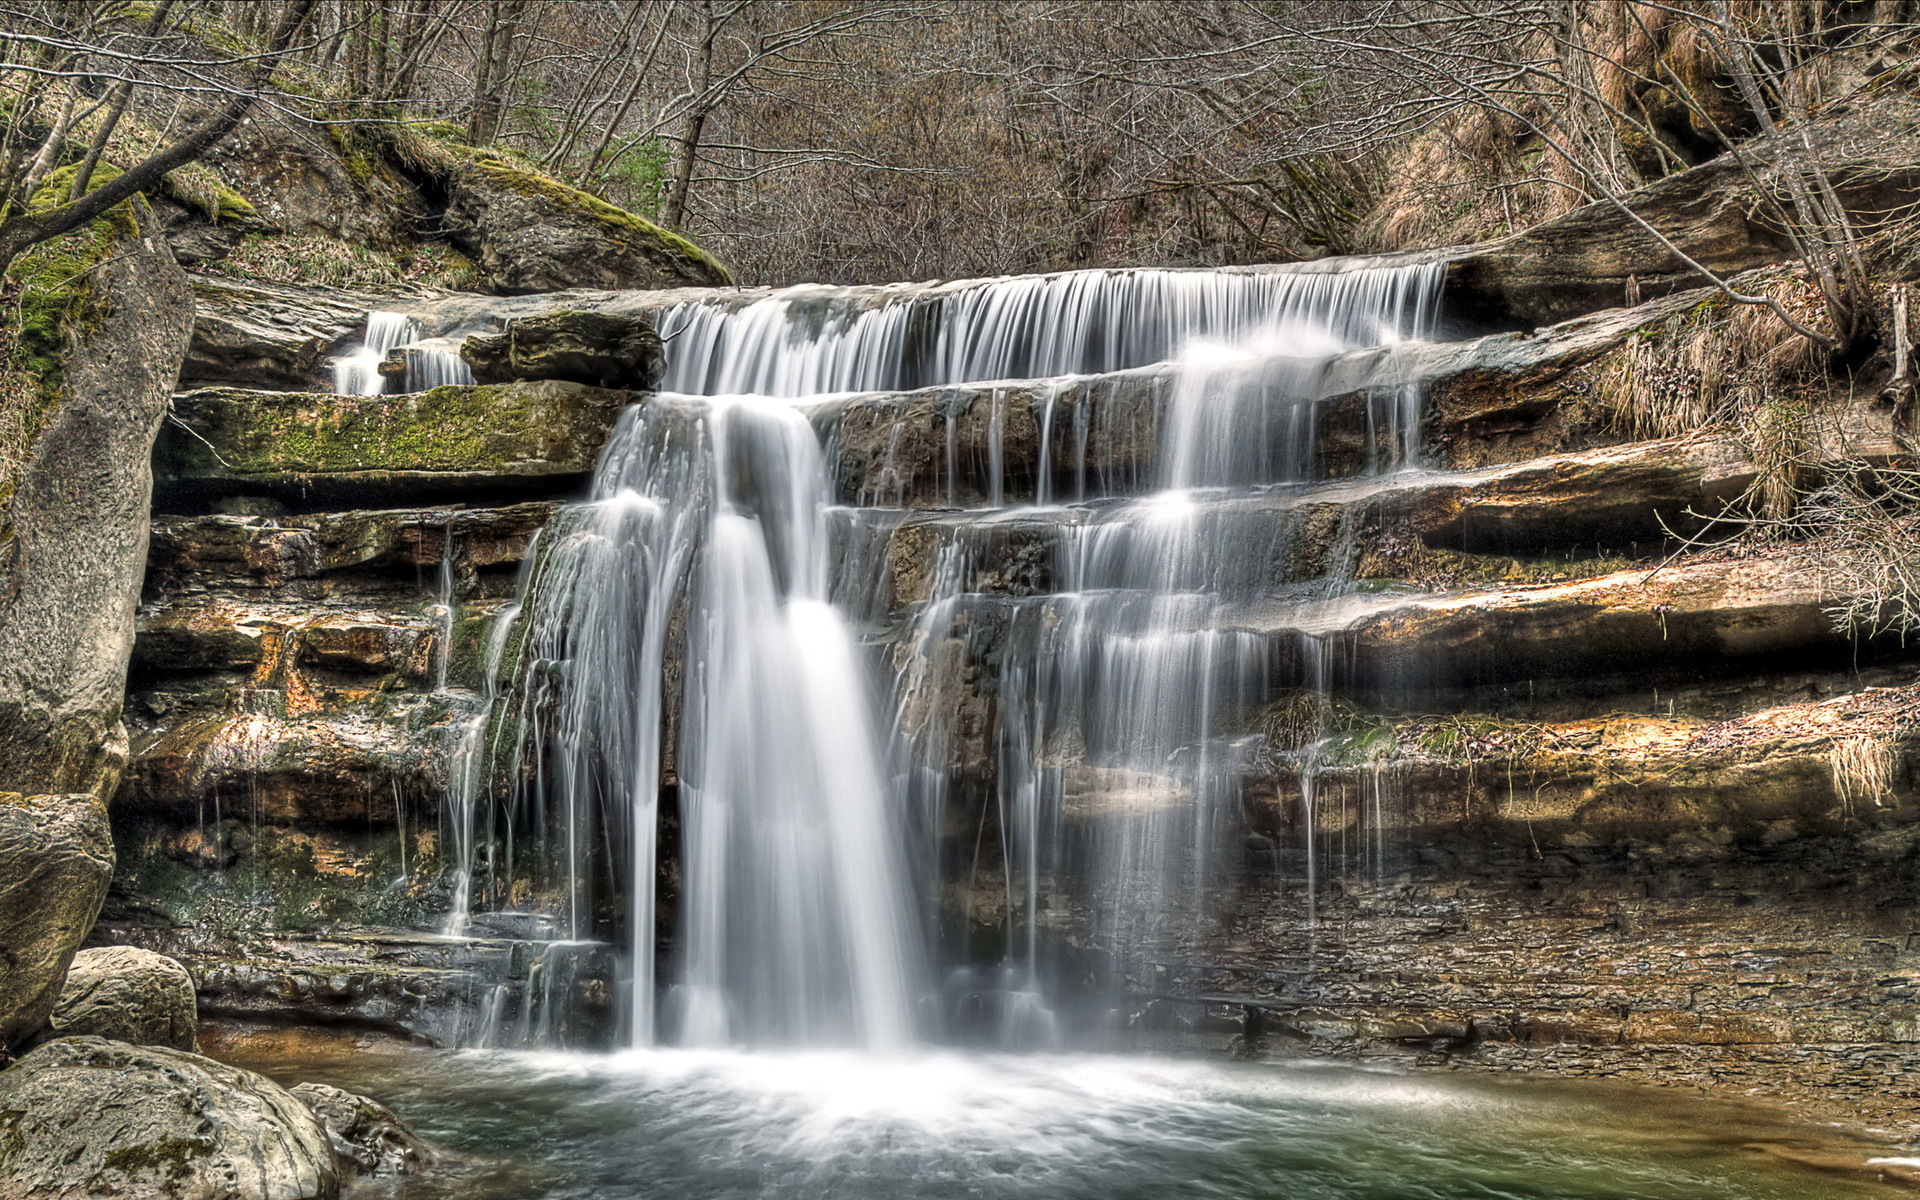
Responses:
[810,341]
[682,753]
[390,337]
[430,364]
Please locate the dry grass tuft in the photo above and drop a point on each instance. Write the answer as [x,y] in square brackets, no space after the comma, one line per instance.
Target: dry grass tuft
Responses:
[1863,769]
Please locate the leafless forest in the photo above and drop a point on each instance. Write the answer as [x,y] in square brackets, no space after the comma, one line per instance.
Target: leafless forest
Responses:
[865,140]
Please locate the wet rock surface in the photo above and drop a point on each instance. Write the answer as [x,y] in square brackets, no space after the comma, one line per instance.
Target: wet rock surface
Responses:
[601,349]
[256,334]
[128,995]
[366,1132]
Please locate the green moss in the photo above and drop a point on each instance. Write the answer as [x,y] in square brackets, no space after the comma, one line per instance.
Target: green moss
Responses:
[358,150]
[171,1158]
[584,204]
[495,428]
[199,186]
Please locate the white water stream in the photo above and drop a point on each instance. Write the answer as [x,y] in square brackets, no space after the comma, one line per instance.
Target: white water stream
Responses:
[680,639]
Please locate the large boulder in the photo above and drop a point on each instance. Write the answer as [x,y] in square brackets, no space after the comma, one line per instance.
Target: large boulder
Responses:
[529,233]
[127,994]
[85,1117]
[604,349]
[441,444]
[56,858]
[106,316]
[366,1132]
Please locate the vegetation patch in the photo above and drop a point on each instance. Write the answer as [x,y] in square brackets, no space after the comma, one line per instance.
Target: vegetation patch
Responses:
[321,259]
[484,428]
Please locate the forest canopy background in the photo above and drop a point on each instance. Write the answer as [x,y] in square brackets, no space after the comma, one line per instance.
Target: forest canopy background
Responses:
[872,140]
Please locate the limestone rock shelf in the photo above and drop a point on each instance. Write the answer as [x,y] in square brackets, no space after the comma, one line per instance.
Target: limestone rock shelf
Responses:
[1639,494]
[1743,770]
[273,335]
[310,448]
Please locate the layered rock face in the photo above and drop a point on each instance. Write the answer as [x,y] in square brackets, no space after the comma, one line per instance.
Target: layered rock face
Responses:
[1521,778]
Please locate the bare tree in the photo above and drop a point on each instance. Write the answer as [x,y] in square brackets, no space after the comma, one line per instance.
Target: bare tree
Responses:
[68,43]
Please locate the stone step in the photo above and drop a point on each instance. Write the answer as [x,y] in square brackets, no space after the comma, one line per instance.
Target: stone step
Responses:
[271,335]
[1699,610]
[1682,790]
[303,771]
[268,552]
[496,441]
[1615,497]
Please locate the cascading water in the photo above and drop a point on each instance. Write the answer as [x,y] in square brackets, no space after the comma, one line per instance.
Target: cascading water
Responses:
[684,638]
[1116,688]
[358,372]
[701,562]
[426,365]
[808,341]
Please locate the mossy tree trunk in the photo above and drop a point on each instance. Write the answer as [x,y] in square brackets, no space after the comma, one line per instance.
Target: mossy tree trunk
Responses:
[83,399]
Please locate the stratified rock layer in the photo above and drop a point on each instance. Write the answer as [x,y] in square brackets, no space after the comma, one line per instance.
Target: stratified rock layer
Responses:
[311,447]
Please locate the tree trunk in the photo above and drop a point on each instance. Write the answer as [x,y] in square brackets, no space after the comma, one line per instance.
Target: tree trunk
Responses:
[675,209]
[491,71]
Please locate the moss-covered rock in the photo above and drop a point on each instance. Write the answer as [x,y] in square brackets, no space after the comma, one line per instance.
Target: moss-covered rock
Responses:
[530,233]
[450,441]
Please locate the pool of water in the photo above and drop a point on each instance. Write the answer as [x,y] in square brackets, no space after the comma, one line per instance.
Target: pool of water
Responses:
[696,1125]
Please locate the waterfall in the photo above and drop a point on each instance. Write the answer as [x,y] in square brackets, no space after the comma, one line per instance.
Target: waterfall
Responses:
[699,649]
[810,340]
[357,373]
[427,365]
